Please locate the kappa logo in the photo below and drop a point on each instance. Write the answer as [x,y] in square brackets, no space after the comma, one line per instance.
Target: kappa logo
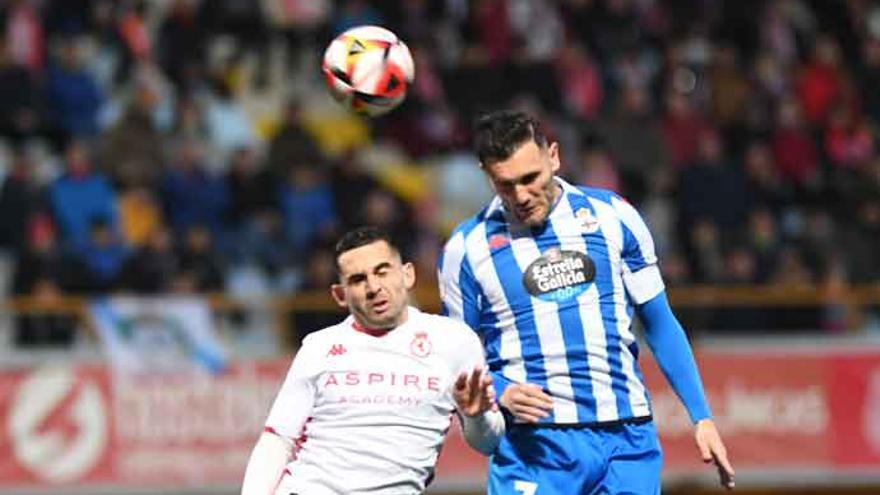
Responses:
[420,345]
[337,350]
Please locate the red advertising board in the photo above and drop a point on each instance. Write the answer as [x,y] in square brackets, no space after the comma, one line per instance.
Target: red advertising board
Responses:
[76,426]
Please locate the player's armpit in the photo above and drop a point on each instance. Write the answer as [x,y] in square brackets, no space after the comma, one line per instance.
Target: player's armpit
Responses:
[266,464]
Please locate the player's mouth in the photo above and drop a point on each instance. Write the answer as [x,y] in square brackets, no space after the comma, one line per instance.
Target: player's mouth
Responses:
[525,213]
[380,307]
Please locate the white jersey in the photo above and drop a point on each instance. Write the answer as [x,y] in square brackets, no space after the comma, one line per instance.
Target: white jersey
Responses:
[369,414]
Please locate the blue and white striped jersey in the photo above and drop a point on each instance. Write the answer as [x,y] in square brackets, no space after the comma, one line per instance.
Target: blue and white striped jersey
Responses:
[554,304]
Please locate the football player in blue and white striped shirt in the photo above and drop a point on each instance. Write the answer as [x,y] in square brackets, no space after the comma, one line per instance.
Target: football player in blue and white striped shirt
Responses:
[549,275]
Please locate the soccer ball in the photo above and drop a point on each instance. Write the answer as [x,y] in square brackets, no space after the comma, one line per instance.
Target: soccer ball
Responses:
[368,69]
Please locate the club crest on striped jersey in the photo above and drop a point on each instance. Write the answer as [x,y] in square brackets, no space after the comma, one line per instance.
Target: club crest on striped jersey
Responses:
[588,222]
[559,275]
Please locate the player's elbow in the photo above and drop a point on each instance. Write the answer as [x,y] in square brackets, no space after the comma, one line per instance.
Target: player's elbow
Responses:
[266,465]
[483,433]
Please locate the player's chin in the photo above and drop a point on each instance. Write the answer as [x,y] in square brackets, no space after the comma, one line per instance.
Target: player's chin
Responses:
[535,219]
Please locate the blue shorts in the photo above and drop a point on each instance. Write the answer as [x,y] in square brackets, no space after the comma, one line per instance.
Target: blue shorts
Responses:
[619,459]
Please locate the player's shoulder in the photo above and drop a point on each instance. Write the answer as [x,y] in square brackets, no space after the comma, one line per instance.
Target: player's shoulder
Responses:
[449,328]
[325,336]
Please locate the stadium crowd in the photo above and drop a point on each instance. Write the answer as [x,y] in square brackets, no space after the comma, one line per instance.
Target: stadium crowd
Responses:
[187,146]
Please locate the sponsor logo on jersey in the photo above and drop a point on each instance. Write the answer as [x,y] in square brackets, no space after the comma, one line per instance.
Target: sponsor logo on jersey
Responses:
[498,241]
[336,350]
[420,345]
[589,223]
[559,275]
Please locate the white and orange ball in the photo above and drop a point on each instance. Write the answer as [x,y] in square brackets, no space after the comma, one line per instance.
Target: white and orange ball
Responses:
[368,69]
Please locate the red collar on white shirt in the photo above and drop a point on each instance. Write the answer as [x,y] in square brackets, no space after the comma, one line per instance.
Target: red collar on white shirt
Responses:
[374,332]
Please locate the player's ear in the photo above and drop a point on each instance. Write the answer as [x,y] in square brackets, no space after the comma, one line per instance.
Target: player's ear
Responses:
[553,154]
[409,275]
[338,293]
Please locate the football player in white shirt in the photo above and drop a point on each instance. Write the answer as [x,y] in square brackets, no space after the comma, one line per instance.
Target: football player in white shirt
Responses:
[366,404]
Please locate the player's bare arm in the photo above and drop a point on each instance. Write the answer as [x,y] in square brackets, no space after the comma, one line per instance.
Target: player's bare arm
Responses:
[266,464]
[527,402]
[712,450]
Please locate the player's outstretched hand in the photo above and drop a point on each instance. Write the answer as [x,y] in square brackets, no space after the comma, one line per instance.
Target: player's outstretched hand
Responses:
[473,392]
[712,450]
[527,402]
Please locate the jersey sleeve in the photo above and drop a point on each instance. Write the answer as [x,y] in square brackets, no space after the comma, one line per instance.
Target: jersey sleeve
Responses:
[459,292]
[295,400]
[641,275]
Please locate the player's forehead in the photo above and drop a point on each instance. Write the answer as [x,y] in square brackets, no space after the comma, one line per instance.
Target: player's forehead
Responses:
[528,158]
[367,257]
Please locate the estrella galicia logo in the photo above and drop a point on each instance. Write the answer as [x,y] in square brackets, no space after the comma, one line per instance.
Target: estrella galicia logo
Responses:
[559,275]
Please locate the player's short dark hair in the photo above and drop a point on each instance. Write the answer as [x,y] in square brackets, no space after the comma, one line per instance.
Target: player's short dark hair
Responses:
[497,135]
[361,236]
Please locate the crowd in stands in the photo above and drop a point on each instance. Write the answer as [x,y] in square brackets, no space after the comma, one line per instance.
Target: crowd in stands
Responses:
[187,146]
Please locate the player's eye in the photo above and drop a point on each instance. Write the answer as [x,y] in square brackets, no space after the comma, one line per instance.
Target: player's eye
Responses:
[528,179]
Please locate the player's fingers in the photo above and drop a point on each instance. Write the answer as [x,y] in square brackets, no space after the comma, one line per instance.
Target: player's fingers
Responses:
[529,414]
[476,376]
[723,462]
[535,392]
[705,451]
[461,381]
[726,478]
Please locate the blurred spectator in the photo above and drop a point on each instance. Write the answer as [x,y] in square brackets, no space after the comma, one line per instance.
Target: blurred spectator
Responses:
[132,150]
[20,200]
[764,241]
[682,127]
[598,170]
[228,125]
[869,77]
[252,219]
[191,194]
[794,151]
[293,144]
[80,196]
[200,265]
[580,82]
[307,207]
[25,40]
[819,83]
[635,141]
[42,329]
[712,189]
[351,13]
[102,259]
[181,45]
[140,215]
[41,259]
[152,268]
[704,251]
[729,88]
[765,185]
[849,142]
[74,98]
[20,112]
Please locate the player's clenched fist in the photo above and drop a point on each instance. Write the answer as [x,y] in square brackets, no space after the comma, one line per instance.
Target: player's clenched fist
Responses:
[473,392]
[527,402]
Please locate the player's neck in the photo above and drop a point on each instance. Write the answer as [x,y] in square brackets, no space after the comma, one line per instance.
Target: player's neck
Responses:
[379,332]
